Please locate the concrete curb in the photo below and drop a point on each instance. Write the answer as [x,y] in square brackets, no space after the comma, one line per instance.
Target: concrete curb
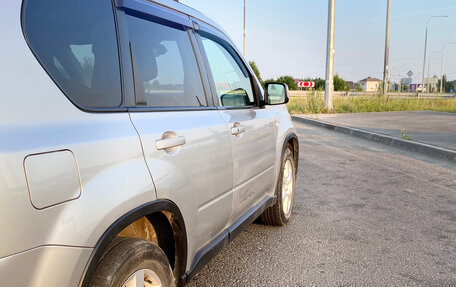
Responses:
[384,139]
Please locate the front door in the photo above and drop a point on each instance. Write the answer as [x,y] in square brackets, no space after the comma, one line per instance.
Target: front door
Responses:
[251,129]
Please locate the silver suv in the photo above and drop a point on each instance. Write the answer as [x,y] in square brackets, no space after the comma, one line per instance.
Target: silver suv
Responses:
[135,143]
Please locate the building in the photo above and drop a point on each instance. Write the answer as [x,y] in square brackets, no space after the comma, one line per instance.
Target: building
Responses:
[370,84]
[431,84]
[351,84]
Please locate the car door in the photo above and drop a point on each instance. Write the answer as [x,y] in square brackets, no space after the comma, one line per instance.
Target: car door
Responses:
[185,140]
[251,128]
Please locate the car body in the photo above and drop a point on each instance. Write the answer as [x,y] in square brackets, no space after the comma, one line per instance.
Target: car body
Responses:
[99,140]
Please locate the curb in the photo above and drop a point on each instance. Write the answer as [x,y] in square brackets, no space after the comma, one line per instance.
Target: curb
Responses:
[384,139]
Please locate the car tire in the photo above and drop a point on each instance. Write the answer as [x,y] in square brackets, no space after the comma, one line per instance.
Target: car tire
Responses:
[130,259]
[280,213]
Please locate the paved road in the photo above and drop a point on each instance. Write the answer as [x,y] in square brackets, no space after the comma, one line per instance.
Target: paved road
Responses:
[365,214]
[428,127]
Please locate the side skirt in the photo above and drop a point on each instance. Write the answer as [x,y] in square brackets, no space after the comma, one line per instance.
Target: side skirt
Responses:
[205,255]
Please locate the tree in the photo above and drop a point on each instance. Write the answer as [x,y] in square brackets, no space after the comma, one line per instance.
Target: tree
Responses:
[289,80]
[444,82]
[255,69]
[394,86]
[450,86]
[319,84]
[404,87]
[447,85]
[358,87]
[271,80]
[340,84]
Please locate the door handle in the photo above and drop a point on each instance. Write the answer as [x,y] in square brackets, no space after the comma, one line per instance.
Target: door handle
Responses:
[168,143]
[237,129]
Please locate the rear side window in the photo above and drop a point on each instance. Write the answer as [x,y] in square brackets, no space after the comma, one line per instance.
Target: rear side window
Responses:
[76,43]
[166,71]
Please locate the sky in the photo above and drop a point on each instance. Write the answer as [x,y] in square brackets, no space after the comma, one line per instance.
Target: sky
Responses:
[288,37]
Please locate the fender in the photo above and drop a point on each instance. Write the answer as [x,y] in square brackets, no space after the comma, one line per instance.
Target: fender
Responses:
[127,219]
[292,136]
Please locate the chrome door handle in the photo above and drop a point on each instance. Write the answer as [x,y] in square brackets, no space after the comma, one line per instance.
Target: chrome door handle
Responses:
[237,130]
[169,143]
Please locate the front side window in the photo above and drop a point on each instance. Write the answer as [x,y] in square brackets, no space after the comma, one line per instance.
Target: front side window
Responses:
[232,84]
[166,73]
[76,43]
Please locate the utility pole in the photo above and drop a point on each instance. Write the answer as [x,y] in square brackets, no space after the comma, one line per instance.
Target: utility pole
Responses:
[329,84]
[244,25]
[428,85]
[387,43]
[429,67]
[425,47]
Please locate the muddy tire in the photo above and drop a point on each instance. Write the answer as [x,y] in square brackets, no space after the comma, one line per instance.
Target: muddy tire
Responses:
[128,260]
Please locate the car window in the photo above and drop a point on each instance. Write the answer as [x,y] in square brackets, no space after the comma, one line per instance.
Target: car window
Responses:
[76,43]
[166,65]
[232,84]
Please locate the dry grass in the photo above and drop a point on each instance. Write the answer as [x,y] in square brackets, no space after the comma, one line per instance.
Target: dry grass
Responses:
[363,104]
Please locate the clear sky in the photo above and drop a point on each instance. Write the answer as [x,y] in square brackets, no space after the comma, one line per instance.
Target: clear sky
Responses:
[289,36]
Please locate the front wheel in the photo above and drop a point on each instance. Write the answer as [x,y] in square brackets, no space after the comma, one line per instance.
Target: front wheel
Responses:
[132,262]
[280,213]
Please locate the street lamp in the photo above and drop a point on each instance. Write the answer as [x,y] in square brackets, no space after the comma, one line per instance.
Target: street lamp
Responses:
[441,68]
[425,47]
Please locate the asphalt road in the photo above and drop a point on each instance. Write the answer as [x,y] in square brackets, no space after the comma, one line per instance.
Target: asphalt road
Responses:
[365,215]
[434,128]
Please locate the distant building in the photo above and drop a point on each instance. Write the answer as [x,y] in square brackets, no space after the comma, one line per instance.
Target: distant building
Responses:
[370,84]
[351,84]
[432,82]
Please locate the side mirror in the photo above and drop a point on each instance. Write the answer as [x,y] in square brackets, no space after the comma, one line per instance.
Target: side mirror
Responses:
[276,94]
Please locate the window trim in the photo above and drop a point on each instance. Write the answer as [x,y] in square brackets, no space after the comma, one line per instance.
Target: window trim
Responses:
[121,107]
[170,109]
[237,58]
[154,10]
[127,72]
[201,68]
[163,19]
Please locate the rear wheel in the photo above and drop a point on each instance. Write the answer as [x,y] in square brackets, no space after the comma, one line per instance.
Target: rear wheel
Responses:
[133,262]
[280,213]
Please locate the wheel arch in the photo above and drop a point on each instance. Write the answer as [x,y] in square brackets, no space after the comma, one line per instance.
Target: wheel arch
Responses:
[157,212]
[292,140]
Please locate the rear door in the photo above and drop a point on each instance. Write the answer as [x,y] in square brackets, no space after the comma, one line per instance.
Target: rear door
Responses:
[251,128]
[185,140]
